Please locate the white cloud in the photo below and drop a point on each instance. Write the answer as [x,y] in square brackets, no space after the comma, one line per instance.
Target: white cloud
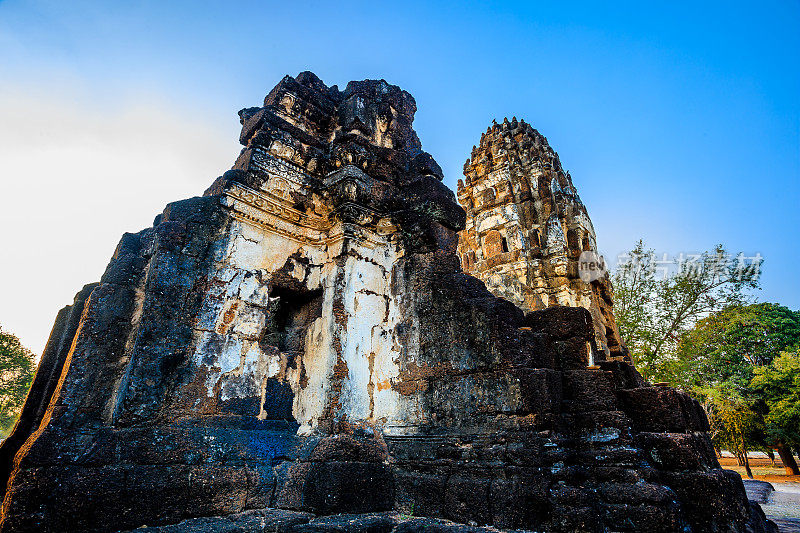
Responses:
[75,175]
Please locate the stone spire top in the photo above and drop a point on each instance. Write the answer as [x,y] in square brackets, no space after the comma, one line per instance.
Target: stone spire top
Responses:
[320,128]
[527,227]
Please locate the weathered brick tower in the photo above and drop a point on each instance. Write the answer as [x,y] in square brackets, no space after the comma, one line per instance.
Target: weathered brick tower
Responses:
[299,351]
[527,227]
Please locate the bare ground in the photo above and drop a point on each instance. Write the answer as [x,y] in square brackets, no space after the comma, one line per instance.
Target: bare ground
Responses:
[781,505]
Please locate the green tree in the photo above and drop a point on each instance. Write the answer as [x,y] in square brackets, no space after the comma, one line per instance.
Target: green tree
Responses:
[778,386]
[734,354]
[16,375]
[735,424]
[729,345]
[634,285]
[653,312]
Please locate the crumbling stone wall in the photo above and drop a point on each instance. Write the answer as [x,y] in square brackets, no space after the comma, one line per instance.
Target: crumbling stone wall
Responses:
[303,338]
[527,227]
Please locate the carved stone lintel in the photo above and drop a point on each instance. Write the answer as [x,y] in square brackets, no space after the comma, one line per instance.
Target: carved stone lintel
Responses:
[356,214]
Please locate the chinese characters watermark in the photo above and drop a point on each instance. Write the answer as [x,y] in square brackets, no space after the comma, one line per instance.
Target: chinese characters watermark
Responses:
[715,265]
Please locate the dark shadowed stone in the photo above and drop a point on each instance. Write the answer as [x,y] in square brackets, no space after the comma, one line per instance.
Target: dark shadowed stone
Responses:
[562,322]
[336,487]
[263,520]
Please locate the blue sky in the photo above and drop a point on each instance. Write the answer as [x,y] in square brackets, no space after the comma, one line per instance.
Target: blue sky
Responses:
[679,122]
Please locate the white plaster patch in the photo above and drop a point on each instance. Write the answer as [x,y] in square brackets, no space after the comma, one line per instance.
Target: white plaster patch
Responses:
[253,290]
[235,312]
[231,354]
[249,321]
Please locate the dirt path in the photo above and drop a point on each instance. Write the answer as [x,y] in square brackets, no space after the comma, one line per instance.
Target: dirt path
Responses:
[780,502]
[783,507]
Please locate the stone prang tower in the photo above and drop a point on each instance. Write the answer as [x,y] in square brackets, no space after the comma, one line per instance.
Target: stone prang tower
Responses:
[527,228]
[299,351]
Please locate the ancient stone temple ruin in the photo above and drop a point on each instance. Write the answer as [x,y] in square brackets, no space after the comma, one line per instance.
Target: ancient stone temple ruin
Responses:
[526,228]
[299,350]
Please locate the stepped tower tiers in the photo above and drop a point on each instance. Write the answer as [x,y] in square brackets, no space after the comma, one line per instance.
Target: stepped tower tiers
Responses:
[526,229]
[301,343]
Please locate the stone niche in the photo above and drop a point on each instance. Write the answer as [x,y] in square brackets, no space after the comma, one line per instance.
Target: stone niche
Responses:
[300,350]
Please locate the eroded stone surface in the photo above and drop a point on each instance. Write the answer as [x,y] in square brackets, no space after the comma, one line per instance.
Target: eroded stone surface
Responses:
[527,228]
[302,342]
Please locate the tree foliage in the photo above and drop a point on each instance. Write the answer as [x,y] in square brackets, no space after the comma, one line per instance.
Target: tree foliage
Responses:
[730,345]
[697,330]
[778,386]
[16,375]
[735,424]
[654,312]
[743,363]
